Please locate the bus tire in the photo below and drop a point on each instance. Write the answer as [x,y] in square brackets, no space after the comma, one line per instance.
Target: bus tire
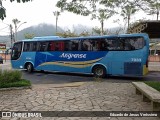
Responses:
[29,67]
[99,71]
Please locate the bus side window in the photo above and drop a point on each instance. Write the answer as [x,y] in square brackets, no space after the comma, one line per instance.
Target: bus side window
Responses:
[74,45]
[43,46]
[128,44]
[27,46]
[66,45]
[51,46]
[110,44]
[87,45]
[56,46]
[138,43]
[61,46]
[121,44]
[103,45]
[34,46]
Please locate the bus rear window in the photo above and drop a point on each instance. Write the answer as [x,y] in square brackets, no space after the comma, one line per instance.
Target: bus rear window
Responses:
[130,43]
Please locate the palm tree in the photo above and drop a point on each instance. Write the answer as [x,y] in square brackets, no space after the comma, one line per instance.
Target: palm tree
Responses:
[154,8]
[57,14]
[127,12]
[102,15]
[15,22]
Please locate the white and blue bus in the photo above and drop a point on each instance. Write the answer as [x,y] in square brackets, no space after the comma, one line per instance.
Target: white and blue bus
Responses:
[125,54]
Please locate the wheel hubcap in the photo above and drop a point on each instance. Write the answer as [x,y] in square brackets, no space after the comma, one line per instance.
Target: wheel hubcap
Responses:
[29,68]
[99,71]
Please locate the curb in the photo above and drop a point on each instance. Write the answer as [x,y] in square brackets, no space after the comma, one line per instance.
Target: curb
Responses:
[75,84]
[16,88]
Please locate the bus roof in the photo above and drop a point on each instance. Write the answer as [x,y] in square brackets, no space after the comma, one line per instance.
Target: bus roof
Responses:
[48,38]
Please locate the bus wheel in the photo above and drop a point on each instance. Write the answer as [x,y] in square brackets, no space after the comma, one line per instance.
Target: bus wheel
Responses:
[99,71]
[29,67]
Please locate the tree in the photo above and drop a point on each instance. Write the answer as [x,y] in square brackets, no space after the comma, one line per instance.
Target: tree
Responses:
[127,12]
[97,31]
[66,34]
[56,13]
[102,15]
[86,7]
[85,33]
[3,10]
[153,7]
[75,6]
[28,36]
[99,9]
[15,22]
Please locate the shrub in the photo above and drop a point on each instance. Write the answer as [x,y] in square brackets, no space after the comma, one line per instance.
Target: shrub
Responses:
[16,84]
[9,76]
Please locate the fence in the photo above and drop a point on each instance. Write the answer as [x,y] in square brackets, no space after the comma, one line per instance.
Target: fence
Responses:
[154,58]
[7,56]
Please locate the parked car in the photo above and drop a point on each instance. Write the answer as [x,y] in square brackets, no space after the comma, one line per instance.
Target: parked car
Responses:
[1,60]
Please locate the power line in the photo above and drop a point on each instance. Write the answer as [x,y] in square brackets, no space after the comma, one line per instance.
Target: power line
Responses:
[4,28]
[4,32]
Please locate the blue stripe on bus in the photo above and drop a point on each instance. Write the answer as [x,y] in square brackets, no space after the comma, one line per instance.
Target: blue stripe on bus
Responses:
[68,57]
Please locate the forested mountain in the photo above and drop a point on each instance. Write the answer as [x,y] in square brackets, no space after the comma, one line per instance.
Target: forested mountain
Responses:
[39,30]
[47,30]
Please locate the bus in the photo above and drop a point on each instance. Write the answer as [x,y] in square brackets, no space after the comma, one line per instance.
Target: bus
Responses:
[125,54]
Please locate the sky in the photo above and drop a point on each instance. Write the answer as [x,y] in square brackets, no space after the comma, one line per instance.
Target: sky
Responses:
[41,11]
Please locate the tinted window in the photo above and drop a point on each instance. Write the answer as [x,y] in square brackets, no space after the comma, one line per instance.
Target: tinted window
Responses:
[33,46]
[43,46]
[51,46]
[26,46]
[96,44]
[87,45]
[30,46]
[16,51]
[132,43]
[59,45]
[74,45]
[111,44]
[55,46]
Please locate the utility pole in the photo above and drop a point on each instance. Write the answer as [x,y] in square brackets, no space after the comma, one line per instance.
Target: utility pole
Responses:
[11,34]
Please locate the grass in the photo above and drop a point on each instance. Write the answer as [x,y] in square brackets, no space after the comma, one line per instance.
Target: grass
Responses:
[20,83]
[12,78]
[154,84]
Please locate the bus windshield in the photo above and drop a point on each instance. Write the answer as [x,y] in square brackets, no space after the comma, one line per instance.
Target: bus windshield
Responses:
[16,51]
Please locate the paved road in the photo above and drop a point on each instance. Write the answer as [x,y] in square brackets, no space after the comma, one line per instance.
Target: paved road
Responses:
[58,78]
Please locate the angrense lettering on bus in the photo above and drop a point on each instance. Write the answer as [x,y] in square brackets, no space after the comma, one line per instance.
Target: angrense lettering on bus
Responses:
[69,55]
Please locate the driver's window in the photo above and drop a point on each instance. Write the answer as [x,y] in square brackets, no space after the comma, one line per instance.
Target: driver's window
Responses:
[16,51]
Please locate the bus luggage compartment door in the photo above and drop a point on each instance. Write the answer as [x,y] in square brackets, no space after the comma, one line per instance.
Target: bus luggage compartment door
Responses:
[133,68]
[118,63]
